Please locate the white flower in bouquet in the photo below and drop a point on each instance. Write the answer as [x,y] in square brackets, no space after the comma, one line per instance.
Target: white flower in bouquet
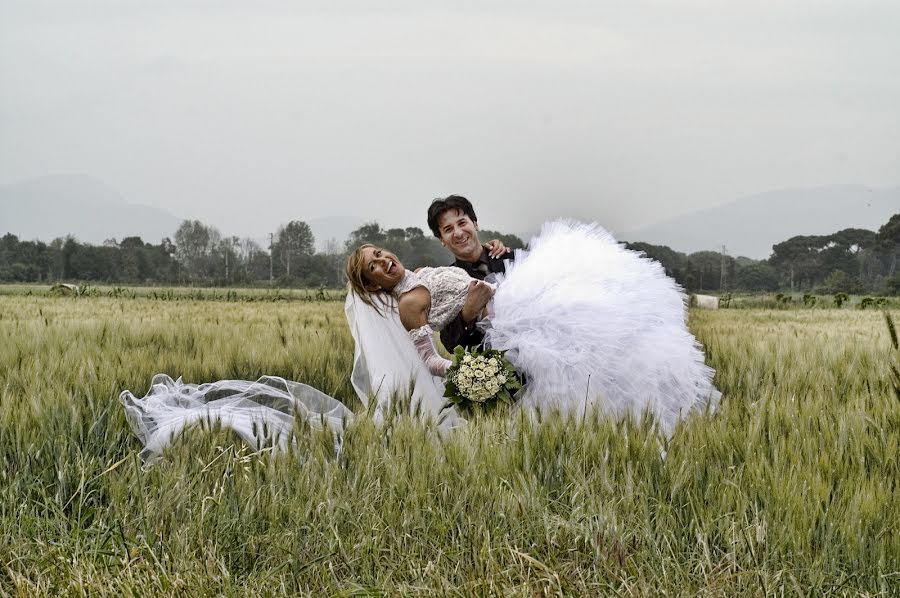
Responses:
[481,377]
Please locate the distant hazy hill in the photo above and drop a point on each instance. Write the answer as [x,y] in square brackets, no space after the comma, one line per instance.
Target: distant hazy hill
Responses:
[751,225]
[79,205]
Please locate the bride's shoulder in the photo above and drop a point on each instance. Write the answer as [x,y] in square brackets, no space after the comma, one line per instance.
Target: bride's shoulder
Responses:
[413,307]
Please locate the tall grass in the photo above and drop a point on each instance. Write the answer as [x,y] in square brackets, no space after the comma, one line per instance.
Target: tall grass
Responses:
[790,488]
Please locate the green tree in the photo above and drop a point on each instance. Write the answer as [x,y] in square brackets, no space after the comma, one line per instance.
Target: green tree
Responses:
[888,244]
[367,233]
[511,241]
[252,261]
[756,277]
[194,243]
[797,260]
[24,261]
[293,240]
[841,282]
[892,285]
[133,260]
[844,250]
[704,271]
[673,261]
[806,261]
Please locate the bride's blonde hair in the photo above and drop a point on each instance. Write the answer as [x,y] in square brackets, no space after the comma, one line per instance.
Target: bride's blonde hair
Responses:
[357,281]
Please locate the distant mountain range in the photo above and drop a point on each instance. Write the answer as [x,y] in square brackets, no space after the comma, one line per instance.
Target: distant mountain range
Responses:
[79,205]
[751,225]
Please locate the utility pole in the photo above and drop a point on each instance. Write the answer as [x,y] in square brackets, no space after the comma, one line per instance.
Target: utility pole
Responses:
[232,244]
[722,269]
[271,256]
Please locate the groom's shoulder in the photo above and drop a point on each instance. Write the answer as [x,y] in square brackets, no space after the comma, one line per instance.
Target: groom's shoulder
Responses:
[509,256]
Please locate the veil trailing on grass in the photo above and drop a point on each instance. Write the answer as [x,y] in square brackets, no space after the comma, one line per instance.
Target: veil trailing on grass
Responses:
[388,376]
[262,412]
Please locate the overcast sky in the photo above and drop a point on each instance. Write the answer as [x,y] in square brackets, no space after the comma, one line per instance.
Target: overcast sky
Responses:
[249,114]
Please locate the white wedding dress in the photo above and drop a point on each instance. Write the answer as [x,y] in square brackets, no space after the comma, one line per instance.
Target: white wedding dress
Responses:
[596,325]
[590,323]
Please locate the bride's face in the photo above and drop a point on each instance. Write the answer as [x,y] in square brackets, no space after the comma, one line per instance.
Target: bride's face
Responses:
[381,268]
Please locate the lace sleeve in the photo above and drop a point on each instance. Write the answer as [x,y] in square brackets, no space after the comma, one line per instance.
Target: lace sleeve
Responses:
[423,338]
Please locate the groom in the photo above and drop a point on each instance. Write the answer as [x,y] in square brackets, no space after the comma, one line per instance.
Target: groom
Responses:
[452,220]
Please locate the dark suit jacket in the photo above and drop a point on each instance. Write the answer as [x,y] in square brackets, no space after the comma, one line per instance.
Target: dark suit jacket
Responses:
[456,333]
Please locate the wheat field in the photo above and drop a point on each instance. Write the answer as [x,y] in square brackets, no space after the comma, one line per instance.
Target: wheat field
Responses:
[790,488]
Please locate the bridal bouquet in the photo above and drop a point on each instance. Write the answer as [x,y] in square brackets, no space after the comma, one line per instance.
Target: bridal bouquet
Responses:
[483,378]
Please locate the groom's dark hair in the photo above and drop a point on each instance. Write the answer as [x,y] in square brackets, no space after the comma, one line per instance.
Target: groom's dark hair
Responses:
[445,204]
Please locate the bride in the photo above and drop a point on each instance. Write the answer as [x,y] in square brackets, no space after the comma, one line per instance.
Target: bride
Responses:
[606,332]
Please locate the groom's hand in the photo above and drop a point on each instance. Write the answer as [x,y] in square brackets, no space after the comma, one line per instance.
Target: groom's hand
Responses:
[495,248]
[480,293]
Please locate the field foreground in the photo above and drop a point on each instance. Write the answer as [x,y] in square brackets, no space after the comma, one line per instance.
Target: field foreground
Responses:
[791,488]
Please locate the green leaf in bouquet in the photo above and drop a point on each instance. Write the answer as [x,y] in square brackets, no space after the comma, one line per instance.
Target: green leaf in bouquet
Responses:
[450,390]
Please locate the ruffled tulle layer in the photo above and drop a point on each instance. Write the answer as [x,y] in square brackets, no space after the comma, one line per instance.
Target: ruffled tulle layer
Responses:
[594,324]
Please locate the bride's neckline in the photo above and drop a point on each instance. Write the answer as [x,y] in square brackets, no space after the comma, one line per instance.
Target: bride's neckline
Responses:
[409,281]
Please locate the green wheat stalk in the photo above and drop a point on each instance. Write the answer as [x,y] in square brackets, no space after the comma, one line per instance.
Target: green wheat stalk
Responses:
[895,368]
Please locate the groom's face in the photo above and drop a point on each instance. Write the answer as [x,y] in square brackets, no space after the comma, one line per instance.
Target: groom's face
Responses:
[459,234]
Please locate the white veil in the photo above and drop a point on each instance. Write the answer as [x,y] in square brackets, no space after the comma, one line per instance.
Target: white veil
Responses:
[388,370]
[262,413]
[388,376]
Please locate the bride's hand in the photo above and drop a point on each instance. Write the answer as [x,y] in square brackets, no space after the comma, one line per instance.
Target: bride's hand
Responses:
[479,295]
[495,248]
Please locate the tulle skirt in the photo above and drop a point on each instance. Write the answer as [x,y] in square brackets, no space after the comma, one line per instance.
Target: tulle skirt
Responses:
[593,324]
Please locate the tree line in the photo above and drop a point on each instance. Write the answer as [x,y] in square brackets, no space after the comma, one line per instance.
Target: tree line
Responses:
[198,254]
[847,261]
